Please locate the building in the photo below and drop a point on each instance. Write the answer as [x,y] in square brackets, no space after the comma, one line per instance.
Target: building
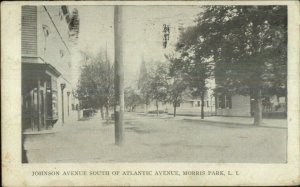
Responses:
[238,105]
[47,38]
[192,107]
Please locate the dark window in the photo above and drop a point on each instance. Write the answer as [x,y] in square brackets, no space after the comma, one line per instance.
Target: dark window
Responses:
[46,30]
[224,101]
[61,53]
[65,9]
[221,101]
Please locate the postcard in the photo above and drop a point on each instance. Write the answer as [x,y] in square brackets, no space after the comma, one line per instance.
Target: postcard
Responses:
[150,93]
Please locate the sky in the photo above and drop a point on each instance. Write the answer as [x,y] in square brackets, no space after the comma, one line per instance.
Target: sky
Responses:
[142,33]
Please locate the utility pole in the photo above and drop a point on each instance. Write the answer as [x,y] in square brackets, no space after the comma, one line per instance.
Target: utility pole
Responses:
[119,76]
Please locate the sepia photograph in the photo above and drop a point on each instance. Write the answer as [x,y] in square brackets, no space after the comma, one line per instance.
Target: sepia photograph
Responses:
[150,93]
[154,84]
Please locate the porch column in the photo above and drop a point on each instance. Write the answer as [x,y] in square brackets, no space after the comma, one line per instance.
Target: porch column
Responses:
[68,93]
[32,112]
[38,104]
[62,86]
[45,104]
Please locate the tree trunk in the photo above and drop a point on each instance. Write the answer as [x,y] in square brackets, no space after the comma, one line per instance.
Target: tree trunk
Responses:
[258,108]
[106,113]
[156,107]
[102,113]
[202,106]
[145,108]
[78,114]
[174,105]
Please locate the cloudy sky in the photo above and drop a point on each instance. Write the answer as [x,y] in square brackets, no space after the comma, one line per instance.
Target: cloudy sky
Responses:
[142,32]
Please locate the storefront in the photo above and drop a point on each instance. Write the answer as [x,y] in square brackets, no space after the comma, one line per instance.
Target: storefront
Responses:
[39,96]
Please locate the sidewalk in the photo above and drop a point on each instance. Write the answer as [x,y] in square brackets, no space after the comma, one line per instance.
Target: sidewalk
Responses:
[273,123]
[70,141]
[245,121]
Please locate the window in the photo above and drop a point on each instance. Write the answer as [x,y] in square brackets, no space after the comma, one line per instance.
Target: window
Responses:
[62,53]
[46,30]
[228,101]
[65,9]
[60,14]
[224,101]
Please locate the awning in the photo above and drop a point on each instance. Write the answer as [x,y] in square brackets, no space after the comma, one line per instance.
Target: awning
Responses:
[38,69]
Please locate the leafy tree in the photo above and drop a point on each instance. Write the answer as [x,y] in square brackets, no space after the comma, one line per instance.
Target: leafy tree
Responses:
[158,84]
[143,85]
[175,91]
[248,45]
[193,63]
[95,86]
[177,83]
[132,98]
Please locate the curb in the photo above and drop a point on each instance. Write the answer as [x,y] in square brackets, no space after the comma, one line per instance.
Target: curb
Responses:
[220,123]
[41,132]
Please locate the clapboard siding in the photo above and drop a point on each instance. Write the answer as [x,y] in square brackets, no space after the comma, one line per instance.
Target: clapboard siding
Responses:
[30,60]
[29,30]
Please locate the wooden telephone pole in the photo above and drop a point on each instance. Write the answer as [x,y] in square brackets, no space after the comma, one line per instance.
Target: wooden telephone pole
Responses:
[119,76]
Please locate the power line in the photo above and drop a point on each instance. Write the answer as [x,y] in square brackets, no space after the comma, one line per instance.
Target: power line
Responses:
[57,29]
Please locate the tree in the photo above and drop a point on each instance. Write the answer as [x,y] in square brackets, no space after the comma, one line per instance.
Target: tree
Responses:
[143,85]
[193,63]
[132,98]
[158,85]
[176,89]
[248,45]
[177,83]
[95,86]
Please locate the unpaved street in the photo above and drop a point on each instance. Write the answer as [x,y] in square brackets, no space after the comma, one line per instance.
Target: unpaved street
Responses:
[159,139]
